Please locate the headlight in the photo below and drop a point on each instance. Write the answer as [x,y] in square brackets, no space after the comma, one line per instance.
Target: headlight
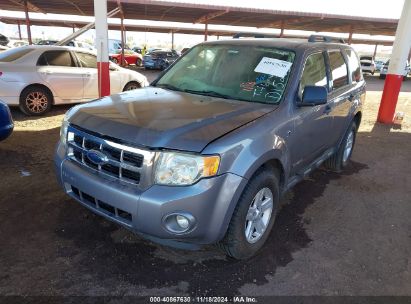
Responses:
[179,169]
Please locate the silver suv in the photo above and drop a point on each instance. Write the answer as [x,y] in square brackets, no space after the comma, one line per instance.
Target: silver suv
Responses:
[203,155]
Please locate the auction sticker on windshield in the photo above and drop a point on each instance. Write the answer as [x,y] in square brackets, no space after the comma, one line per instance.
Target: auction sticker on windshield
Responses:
[274,67]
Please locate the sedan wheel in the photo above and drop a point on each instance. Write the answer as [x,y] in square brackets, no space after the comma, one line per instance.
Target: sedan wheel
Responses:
[37,102]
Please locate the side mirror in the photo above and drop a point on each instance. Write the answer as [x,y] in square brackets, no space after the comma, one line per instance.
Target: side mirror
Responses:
[314,95]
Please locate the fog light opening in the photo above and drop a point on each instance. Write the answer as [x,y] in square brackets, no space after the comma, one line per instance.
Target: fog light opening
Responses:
[182,221]
[179,222]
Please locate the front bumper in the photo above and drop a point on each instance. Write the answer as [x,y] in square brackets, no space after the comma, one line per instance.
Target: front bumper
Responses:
[210,201]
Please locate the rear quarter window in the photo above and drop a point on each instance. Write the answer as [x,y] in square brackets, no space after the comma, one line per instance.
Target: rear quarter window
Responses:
[338,68]
[354,66]
[56,58]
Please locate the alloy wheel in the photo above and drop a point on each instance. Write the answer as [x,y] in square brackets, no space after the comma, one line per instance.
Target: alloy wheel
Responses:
[258,215]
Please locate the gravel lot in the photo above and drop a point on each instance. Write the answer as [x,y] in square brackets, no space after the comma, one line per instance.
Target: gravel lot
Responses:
[337,234]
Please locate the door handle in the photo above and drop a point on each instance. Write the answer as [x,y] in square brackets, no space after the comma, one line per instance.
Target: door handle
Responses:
[87,74]
[327,109]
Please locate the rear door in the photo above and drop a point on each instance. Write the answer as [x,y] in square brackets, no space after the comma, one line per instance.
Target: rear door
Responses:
[59,69]
[342,93]
[312,124]
[88,63]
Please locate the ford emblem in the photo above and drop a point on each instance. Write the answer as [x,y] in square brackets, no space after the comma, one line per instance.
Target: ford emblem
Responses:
[97,157]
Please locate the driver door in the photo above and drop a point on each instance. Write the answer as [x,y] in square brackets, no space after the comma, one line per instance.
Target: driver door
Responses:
[312,124]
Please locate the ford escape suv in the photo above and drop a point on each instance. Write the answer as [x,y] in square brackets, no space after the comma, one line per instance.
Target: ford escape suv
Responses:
[203,155]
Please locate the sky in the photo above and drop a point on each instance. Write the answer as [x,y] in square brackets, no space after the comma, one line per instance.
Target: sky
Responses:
[366,8]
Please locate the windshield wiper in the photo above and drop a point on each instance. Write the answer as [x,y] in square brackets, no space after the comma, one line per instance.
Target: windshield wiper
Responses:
[167,86]
[209,93]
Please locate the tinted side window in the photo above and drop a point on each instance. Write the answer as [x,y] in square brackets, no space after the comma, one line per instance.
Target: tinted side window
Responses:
[338,70]
[314,72]
[354,66]
[87,60]
[56,58]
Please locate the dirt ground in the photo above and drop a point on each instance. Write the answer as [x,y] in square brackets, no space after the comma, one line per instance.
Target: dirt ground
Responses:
[337,234]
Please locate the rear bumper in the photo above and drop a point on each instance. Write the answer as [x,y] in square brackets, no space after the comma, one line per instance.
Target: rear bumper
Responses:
[210,201]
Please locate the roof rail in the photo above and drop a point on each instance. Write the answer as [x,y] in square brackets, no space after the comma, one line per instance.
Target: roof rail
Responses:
[322,38]
[254,35]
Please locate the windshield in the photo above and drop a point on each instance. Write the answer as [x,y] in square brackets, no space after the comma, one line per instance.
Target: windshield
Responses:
[249,73]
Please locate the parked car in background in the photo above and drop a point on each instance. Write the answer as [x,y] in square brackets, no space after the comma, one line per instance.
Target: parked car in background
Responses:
[384,70]
[6,121]
[160,59]
[130,57]
[3,48]
[4,40]
[73,43]
[137,49]
[37,77]
[17,43]
[203,155]
[184,50]
[46,42]
[379,64]
[114,45]
[367,64]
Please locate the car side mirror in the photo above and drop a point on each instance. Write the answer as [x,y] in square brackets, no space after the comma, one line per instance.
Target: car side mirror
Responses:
[314,95]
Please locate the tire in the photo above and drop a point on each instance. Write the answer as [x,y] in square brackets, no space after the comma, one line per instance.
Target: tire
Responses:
[235,243]
[341,158]
[115,60]
[35,101]
[139,62]
[132,85]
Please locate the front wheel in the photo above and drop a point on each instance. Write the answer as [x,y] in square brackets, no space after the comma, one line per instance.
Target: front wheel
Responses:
[341,158]
[139,62]
[254,216]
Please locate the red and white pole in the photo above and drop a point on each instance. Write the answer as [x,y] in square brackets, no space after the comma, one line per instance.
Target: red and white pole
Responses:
[100,13]
[393,81]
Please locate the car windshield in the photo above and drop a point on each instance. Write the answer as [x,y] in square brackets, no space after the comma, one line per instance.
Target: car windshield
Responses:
[248,73]
[13,54]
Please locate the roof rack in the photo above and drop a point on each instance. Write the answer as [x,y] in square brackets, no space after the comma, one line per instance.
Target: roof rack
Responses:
[254,35]
[322,38]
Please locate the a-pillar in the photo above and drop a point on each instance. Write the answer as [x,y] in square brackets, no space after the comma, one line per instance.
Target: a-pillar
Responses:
[393,81]
[375,51]
[26,11]
[100,13]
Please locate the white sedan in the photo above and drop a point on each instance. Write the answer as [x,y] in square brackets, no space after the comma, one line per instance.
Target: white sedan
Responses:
[37,77]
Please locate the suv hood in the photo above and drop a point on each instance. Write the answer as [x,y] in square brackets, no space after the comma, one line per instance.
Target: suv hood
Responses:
[159,118]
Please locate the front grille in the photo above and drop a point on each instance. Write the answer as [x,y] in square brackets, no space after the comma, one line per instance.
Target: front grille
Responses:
[120,161]
[112,211]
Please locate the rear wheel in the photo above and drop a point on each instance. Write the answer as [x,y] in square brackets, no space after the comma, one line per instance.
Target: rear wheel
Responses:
[115,60]
[35,101]
[253,217]
[341,158]
[139,62]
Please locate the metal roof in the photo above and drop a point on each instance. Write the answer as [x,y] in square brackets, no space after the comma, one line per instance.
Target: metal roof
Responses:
[216,14]
[164,29]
